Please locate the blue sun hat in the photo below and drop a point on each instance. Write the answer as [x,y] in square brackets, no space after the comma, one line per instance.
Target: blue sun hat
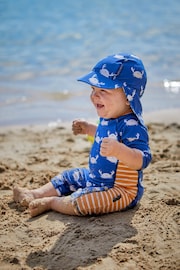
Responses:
[120,71]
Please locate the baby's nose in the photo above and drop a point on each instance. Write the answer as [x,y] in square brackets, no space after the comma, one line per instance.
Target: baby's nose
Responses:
[95,94]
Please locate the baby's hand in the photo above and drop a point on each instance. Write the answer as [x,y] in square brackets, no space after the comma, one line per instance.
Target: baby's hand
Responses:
[109,147]
[79,127]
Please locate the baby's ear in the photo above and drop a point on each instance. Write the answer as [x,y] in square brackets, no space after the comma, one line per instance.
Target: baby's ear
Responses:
[127,103]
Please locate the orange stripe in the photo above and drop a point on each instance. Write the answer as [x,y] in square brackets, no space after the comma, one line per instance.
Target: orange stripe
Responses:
[107,199]
[82,204]
[113,195]
[120,171]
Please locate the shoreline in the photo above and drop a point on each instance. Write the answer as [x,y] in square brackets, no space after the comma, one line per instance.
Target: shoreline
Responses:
[161,116]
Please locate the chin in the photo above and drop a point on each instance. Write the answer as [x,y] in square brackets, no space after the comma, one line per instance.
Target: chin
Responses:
[103,115]
[100,114]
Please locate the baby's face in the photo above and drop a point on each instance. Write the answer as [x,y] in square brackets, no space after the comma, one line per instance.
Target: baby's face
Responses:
[110,103]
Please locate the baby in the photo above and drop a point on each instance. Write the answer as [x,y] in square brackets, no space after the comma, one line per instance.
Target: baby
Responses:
[119,153]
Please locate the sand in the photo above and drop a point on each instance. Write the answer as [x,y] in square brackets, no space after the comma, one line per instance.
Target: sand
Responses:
[146,237]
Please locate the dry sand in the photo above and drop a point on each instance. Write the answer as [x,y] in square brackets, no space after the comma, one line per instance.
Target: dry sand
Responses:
[146,237]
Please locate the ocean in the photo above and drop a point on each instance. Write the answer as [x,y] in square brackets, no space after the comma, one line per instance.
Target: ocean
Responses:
[46,45]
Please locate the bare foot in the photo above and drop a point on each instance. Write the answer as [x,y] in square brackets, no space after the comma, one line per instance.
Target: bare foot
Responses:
[23,196]
[39,206]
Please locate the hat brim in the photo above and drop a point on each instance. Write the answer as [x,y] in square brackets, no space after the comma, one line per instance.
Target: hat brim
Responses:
[100,81]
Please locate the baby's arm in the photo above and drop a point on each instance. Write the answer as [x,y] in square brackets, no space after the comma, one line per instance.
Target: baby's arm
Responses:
[83,127]
[132,157]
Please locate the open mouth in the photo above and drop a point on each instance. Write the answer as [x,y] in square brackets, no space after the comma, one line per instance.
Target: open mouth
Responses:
[99,106]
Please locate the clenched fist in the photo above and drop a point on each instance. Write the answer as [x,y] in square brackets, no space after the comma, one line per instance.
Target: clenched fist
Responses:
[79,127]
[109,147]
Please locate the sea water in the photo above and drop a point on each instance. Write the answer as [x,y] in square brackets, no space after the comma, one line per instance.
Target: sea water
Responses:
[46,45]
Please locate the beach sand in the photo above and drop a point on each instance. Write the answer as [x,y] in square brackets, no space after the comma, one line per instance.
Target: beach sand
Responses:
[146,237]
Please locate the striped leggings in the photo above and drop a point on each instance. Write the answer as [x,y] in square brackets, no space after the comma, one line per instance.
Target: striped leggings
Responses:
[114,199]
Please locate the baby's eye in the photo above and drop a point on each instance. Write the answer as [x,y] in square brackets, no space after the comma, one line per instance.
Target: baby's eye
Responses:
[103,90]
